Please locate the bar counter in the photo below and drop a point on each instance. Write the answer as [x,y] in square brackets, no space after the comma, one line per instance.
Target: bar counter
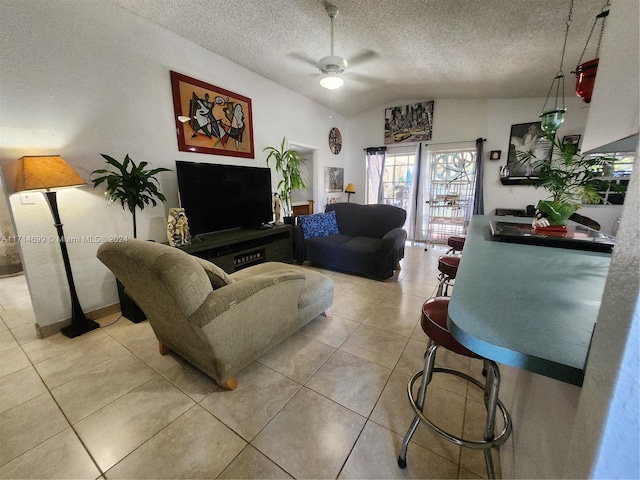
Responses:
[528,306]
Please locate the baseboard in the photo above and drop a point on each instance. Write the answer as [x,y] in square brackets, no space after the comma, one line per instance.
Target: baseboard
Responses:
[52,329]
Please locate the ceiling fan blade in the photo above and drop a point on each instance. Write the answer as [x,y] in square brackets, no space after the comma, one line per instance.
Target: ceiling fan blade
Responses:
[363,79]
[364,56]
[303,58]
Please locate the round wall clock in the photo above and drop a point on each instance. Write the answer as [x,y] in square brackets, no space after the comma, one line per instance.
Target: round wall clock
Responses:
[335,140]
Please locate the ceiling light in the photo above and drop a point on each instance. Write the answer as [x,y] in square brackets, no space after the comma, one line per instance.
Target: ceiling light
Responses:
[331,81]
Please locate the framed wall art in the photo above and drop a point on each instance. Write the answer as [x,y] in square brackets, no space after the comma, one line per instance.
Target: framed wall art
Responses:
[408,123]
[572,140]
[210,119]
[333,179]
[527,137]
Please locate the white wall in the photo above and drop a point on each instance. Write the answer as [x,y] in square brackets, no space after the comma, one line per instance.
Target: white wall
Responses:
[615,93]
[606,435]
[468,119]
[84,78]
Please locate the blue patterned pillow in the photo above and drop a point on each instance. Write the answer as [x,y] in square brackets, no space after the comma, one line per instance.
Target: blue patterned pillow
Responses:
[319,224]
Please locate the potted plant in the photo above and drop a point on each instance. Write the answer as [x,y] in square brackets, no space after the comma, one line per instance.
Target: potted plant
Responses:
[287,163]
[134,186]
[571,179]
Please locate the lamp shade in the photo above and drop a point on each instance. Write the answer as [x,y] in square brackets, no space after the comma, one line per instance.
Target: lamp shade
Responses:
[45,173]
[350,188]
[331,81]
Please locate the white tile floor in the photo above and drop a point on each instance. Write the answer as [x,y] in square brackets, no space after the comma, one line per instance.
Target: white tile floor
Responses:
[329,402]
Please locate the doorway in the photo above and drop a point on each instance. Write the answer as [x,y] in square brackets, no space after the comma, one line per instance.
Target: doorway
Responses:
[301,198]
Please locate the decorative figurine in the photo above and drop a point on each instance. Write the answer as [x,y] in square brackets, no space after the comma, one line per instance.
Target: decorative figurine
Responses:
[178,228]
[277,207]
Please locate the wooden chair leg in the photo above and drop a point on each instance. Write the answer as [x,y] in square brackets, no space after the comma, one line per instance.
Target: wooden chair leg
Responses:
[327,312]
[230,384]
[164,350]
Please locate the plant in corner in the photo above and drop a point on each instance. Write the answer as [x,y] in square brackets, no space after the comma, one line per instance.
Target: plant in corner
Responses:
[571,179]
[133,185]
[287,163]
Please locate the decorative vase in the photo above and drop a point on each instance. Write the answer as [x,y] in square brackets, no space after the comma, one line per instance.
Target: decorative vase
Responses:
[586,78]
[553,215]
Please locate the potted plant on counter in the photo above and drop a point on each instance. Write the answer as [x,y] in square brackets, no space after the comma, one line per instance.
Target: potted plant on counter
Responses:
[571,179]
[134,186]
[287,163]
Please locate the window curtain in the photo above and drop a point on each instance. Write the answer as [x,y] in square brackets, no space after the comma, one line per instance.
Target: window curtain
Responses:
[478,196]
[375,168]
[418,215]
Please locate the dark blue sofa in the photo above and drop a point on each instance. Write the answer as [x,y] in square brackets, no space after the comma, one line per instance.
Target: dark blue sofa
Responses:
[370,241]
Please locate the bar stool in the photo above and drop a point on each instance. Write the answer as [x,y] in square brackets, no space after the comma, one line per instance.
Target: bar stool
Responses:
[448,267]
[456,244]
[434,324]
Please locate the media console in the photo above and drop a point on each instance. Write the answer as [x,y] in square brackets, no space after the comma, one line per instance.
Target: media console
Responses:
[236,249]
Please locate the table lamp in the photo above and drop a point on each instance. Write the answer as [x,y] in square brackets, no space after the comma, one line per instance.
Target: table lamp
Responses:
[349,190]
[48,174]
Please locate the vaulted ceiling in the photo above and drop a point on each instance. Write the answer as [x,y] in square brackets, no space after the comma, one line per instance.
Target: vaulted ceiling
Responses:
[396,49]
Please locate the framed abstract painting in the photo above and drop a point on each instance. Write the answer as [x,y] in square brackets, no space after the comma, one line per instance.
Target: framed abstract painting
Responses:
[210,119]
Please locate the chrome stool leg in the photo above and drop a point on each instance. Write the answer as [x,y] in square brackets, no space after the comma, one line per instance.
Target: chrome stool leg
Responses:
[427,374]
[491,389]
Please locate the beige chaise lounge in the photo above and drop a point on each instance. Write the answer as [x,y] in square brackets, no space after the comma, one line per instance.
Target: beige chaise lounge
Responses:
[220,323]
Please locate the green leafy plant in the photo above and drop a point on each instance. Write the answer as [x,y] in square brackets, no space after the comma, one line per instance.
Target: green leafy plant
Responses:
[133,185]
[287,163]
[570,177]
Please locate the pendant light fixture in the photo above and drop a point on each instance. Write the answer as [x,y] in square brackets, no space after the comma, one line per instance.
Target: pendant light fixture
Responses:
[586,72]
[552,118]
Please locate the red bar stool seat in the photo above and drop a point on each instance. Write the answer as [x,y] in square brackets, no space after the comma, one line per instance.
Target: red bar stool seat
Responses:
[434,323]
[448,268]
[456,244]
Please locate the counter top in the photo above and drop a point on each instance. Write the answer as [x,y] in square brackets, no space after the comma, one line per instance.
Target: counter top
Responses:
[527,306]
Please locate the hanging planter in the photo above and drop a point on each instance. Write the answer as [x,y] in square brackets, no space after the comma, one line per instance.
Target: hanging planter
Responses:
[586,79]
[586,72]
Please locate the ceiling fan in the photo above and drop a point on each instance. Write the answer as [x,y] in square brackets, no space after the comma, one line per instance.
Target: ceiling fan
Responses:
[332,67]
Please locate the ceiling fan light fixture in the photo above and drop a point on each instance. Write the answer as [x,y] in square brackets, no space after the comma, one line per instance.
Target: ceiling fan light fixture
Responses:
[331,81]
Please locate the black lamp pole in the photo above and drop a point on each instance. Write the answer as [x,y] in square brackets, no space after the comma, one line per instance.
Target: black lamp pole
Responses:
[79,323]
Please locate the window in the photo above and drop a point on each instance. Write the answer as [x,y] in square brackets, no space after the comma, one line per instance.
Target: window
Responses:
[396,179]
[619,171]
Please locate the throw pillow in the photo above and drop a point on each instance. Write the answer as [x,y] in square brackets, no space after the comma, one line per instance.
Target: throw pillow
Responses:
[319,224]
[217,276]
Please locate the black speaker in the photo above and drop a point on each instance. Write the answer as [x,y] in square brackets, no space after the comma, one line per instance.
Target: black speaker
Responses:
[129,308]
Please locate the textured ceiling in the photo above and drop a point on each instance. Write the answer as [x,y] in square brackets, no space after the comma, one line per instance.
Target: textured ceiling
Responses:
[397,50]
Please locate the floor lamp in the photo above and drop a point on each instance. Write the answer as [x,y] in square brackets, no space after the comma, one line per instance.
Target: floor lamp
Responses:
[48,174]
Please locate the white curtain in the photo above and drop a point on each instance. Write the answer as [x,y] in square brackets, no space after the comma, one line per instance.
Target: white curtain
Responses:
[375,168]
[418,214]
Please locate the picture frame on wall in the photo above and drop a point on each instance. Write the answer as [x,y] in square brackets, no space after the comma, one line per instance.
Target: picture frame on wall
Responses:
[408,123]
[333,179]
[527,137]
[210,119]
[495,154]
[572,140]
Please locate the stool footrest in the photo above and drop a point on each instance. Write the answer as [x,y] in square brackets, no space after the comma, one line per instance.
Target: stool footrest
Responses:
[463,442]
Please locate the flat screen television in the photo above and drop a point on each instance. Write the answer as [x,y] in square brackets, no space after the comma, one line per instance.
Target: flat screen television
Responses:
[224,197]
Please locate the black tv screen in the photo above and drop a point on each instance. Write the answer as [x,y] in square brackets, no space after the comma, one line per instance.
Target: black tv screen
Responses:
[223,197]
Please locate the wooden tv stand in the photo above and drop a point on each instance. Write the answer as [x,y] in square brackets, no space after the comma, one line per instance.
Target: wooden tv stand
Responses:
[234,250]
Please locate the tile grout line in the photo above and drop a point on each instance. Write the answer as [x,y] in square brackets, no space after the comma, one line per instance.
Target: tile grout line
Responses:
[70,425]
